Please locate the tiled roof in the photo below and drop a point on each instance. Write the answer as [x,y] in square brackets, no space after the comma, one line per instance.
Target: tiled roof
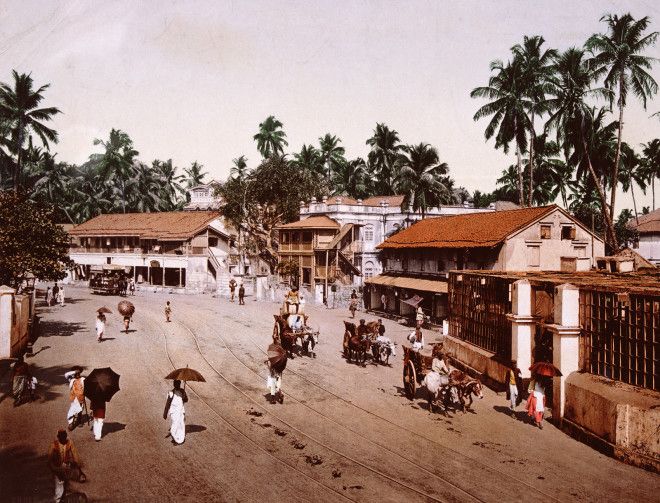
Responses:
[162,225]
[473,230]
[391,200]
[344,200]
[317,222]
[648,223]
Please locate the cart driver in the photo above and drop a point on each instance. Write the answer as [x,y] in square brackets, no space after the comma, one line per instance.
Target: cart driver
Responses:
[292,298]
[416,339]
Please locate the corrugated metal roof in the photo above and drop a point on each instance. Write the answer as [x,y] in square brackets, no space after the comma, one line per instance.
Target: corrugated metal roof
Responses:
[423,285]
[316,222]
[161,225]
[473,230]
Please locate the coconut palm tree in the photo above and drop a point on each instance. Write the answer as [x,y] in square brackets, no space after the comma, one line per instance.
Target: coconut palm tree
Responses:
[570,86]
[382,158]
[508,184]
[351,178]
[619,57]
[331,152]
[239,169]
[147,196]
[170,185]
[420,178]
[535,65]
[651,152]
[195,174]
[270,138]
[509,109]
[54,185]
[116,163]
[309,160]
[19,107]
[631,173]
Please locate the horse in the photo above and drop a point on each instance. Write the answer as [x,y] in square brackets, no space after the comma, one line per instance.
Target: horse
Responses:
[382,350]
[465,386]
[355,346]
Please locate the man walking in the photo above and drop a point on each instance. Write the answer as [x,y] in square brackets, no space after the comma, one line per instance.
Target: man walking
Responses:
[514,380]
[98,413]
[168,311]
[64,463]
[60,296]
[174,405]
[56,291]
[232,289]
[76,396]
[241,295]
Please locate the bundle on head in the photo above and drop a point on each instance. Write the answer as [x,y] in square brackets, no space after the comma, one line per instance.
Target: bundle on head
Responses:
[126,308]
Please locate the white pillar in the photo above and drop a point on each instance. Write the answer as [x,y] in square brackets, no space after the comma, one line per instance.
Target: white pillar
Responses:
[6,317]
[565,342]
[523,325]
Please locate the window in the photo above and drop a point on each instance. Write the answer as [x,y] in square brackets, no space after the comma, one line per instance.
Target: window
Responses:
[285,237]
[368,233]
[404,263]
[307,237]
[546,231]
[581,251]
[533,256]
[368,270]
[441,265]
[568,232]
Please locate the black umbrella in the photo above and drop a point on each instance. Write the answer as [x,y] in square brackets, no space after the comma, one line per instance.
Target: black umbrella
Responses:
[101,384]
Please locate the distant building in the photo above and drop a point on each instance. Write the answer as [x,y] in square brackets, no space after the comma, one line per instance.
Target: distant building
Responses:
[167,249]
[648,227]
[202,197]
[377,218]
[417,259]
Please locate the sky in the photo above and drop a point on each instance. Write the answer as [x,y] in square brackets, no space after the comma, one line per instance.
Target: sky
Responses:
[192,80]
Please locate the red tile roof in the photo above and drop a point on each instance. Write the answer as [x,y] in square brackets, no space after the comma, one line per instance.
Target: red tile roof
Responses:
[316,222]
[472,230]
[344,200]
[391,200]
[649,223]
[162,225]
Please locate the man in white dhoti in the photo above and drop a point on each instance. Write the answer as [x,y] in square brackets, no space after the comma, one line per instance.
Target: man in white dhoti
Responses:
[60,296]
[76,396]
[174,405]
[100,326]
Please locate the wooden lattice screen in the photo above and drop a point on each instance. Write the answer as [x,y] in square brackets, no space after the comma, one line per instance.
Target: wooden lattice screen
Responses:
[478,308]
[621,336]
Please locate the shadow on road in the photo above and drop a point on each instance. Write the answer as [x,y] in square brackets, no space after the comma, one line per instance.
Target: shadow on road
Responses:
[112,428]
[60,328]
[25,475]
[194,428]
[518,415]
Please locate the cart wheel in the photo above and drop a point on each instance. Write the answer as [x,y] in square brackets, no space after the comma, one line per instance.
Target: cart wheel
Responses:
[409,380]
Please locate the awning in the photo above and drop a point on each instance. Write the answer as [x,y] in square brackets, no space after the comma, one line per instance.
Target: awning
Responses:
[423,285]
[413,301]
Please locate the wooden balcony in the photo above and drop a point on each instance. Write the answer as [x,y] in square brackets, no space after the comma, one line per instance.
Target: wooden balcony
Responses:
[296,247]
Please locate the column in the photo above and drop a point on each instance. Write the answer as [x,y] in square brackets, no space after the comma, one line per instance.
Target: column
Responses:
[565,342]
[523,325]
[180,285]
[6,318]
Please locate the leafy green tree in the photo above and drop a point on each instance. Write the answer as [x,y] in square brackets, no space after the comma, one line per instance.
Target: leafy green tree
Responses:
[508,184]
[382,158]
[54,185]
[420,178]
[271,139]
[30,241]
[651,162]
[535,66]
[22,116]
[625,233]
[116,163]
[147,196]
[239,169]
[509,108]
[309,159]
[331,153]
[170,182]
[194,175]
[483,199]
[619,57]
[631,173]
[351,178]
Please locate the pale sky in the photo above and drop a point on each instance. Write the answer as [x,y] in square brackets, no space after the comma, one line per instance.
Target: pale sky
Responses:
[192,80]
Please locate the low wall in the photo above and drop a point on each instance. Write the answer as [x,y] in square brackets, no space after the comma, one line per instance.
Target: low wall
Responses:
[481,362]
[622,420]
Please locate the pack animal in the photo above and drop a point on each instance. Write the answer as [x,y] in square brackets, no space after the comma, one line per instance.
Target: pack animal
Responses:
[466,387]
[355,346]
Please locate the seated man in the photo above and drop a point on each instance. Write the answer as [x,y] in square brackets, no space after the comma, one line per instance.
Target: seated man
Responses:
[292,298]
[362,329]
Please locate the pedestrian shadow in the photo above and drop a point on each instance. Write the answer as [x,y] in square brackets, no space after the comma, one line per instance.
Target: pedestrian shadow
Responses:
[60,328]
[518,415]
[113,427]
[44,348]
[195,428]
[25,475]
[107,339]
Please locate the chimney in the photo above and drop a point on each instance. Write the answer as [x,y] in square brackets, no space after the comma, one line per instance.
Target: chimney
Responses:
[338,199]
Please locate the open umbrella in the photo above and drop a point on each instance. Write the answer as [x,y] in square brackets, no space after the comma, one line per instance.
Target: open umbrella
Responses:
[276,356]
[186,374]
[545,369]
[126,308]
[101,384]
[104,310]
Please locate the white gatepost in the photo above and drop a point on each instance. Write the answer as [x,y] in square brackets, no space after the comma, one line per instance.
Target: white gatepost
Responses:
[523,325]
[6,319]
[565,342]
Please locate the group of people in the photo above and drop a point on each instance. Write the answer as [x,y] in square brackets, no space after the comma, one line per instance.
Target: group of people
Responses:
[232,292]
[55,295]
[536,390]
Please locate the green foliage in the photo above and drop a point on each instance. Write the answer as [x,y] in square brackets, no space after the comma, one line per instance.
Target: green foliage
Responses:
[625,233]
[271,139]
[30,241]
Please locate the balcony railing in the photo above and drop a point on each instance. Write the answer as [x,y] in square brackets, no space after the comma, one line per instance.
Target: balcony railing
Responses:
[155,250]
[289,247]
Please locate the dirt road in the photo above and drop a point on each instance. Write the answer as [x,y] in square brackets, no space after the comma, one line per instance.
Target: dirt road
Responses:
[344,432]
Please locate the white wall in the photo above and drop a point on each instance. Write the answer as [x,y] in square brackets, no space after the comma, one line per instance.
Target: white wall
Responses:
[649,247]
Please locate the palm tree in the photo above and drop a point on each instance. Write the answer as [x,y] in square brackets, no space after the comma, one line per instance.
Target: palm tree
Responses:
[420,178]
[382,158]
[651,151]
[509,109]
[331,152]
[631,173]
[351,178]
[170,184]
[239,170]
[116,163]
[147,193]
[19,106]
[54,184]
[570,86]
[270,138]
[535,66]
[309,160]
[195,174]
[509,183]
[618,56]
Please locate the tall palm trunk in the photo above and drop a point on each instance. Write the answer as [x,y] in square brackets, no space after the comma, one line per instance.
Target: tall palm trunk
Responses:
[19,157]
[632,192]
[617,159]
[531,162]
[521,196]
[653,190]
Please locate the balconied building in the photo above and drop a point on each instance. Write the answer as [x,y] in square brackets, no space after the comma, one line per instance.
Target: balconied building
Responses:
[418,259]
[375,218]
[202,197]
[175,249]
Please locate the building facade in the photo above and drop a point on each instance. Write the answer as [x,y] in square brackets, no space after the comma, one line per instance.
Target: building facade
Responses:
[417,260]
[377,218]
[648,244]
[190,250]
[203,197]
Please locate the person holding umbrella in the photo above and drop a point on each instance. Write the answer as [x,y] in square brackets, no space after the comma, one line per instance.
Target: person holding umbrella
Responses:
[100,386]
[126,309]
[100,322]
[542,373]
[175,406]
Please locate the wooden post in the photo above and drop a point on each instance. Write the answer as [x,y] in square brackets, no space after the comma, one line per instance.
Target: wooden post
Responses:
[180,285]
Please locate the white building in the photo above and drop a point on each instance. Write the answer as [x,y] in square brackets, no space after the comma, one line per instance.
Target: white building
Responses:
[648,228]
[377,217]
[202,197]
